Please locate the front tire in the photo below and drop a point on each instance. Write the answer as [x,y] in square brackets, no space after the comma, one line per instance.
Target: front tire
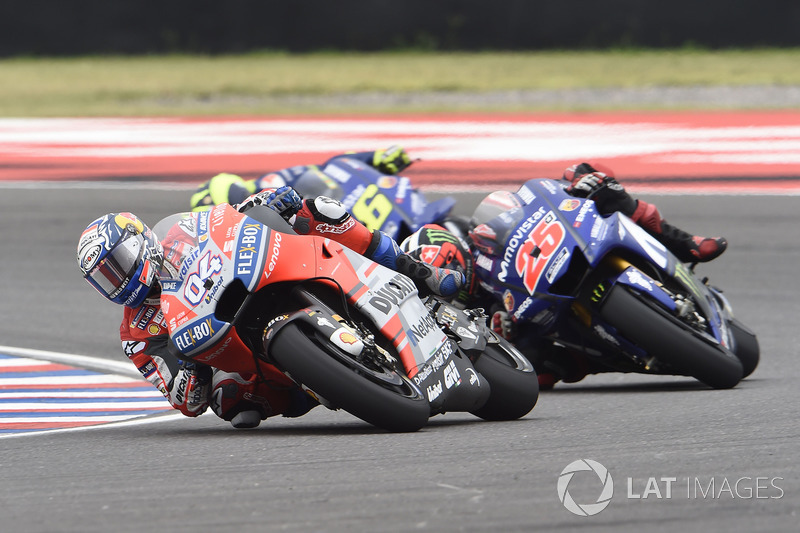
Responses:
[512,380]
[382,397]
[669,341]
[746,349]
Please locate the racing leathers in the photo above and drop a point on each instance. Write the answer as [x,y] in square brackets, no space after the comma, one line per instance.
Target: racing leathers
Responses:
[243,399]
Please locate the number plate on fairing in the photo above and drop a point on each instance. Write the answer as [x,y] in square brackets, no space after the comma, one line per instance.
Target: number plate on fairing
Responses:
[228,246]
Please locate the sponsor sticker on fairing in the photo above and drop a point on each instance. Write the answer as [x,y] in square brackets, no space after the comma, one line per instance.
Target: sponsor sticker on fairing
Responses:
[194,335]
[526,195]
[421,328]
[344,339]
[637,278]
[350,200]
[452,378]
[434,391]
[337,173]
[569,204]
[585,208]
[247,255]
[557,263]
[392,293]
[483,262]
[436,362]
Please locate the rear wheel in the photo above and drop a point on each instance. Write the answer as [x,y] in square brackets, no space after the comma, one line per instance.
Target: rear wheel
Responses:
[670,341]
[374,393]
[512,380]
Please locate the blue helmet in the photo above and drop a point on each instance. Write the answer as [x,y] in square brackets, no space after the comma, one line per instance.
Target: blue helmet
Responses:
[120,256]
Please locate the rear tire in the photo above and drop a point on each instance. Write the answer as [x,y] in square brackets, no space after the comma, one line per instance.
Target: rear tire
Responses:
[386,398]
[670,341]
[512,380]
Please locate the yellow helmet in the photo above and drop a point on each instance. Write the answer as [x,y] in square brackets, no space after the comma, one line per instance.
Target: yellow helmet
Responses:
[222,188]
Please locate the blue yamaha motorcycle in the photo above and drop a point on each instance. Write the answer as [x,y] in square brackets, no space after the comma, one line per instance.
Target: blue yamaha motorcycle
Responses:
[576,280]
[386,203]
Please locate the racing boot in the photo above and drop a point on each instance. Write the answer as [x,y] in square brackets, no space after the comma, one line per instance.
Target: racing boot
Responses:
[686,247]
[428,278]
[245,399]
[558,364]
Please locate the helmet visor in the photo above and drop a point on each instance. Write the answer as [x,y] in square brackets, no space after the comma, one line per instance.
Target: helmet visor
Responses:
[114,271]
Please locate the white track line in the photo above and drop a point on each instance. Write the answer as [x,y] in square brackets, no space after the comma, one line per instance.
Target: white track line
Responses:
[91,363]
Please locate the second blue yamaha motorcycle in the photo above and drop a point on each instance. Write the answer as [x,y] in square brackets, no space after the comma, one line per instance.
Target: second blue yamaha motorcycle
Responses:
[601,285]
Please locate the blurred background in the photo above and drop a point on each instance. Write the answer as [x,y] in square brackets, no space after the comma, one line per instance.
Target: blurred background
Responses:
[55,27]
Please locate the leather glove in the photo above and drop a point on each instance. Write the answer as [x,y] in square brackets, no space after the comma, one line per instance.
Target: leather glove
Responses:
[392,160]
[586,180]
[607,193]
[190,392]
[284,200]
[503,325]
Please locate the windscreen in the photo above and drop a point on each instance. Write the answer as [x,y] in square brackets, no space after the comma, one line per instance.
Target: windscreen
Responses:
[178,235]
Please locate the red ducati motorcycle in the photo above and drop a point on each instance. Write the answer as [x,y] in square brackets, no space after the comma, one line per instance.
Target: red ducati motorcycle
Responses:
[355,335]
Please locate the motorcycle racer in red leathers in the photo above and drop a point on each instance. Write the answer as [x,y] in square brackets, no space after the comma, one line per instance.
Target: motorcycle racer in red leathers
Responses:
[119,256]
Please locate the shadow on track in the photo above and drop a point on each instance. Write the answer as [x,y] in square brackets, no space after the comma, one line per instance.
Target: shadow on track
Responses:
[665,386]
[356,428]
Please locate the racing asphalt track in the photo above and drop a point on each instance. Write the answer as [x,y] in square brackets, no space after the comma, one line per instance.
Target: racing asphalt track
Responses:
[328,471]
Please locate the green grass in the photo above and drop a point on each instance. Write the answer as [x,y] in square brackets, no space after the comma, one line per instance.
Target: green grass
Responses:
[263,82]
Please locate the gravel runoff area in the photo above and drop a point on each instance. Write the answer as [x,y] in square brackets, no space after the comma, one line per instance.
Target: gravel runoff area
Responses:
[717,97]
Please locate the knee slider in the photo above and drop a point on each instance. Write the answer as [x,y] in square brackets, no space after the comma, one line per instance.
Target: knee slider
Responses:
[234,393]
[328,210]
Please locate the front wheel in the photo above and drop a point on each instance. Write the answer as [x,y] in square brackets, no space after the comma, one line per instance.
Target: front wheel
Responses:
[381,396]
[512,380]
[746,349]
[670,341]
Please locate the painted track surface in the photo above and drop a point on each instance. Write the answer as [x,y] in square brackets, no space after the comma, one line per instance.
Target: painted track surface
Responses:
[734,152]
[38,395]
[329,472]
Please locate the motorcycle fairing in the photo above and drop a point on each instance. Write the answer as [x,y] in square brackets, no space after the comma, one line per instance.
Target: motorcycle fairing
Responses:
[641,282]
[228,245]
[393,306]
[429,357]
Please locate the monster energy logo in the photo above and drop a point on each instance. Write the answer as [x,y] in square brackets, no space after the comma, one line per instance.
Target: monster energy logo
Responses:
[683,274]
[438,235]
[598,292]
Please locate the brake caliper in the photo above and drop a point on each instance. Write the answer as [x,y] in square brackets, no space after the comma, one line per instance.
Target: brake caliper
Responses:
[687,311]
